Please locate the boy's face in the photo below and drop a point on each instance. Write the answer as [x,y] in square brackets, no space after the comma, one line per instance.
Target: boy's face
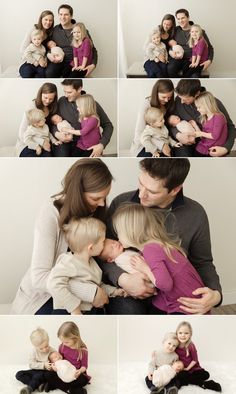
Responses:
[37,40]
[41,123]
[44,347]
[98,247]
[112,249]
[170,345]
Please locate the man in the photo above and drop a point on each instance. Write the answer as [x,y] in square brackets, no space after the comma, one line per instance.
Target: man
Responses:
[181,36]
[188,90]
[62,35]
[67,109]
[160,187]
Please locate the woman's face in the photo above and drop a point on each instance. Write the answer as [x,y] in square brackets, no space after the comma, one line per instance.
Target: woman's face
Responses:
[48,98]
[97,199]
[164,98]
[47,21]
[167,25]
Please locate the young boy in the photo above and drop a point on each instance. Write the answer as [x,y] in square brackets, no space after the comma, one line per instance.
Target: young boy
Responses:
[38,362]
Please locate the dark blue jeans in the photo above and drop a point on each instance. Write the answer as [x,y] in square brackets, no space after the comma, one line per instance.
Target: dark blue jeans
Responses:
[32,153]
[31,377]
[47,309]
[28,70]
[155,70]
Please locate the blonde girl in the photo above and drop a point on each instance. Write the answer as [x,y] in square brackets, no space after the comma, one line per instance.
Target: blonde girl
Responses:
[74,350]
[193,373]
[164,261]
[214,125]
[199,51]
[82,50]
[90,126]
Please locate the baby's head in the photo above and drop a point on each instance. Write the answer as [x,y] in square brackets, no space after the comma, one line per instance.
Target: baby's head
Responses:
[173,120]
[154,117]
[36,37]
[54,356]
[111,250]
[172,43]
[156,37]
[40,340]
[57,53]
[36,117]
[55,119]
[170,342]
[85,233]
[178,366]
[51,44]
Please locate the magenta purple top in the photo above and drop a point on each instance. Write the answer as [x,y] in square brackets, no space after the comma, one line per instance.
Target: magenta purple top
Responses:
[201,49]
[74,357]
[90,133]
[192,356]
[84,50]
[217,126]
[172,279]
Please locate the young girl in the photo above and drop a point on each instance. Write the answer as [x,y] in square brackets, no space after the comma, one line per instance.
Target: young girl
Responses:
[199,51]
[34,57]
[90,122]
[164,261]
[214,125]
[193,373]
[82,51]
[155,67]
[75,351]
[155,137]
[85,238]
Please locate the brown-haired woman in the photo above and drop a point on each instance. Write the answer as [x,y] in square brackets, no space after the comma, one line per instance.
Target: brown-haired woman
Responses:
[162,97]
[46,100]
[85,188]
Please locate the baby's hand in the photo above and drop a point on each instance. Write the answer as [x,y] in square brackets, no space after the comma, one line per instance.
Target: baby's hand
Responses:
[150,376]
[38,150]
[119,293]
[139,263]
[198,133]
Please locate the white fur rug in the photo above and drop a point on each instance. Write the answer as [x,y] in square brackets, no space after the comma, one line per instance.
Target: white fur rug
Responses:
[131,378]
[104,380]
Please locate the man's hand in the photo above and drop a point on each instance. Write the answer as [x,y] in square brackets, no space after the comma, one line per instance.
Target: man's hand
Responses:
[101,298]
[97,150]
[136,285]
[89,69]
[200,306]
[206,64]
[63,137]
[186,139]
[217,151]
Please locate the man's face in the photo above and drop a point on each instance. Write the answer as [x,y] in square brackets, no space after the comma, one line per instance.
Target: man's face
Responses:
[152,192]
[71,94]
[64,16]
[183,20]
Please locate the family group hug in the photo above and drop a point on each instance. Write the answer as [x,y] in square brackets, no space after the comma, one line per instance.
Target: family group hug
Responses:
[73,125]
[63,50]
[148,253]
[194,123]
[65,369]
[171,50]
[175,364]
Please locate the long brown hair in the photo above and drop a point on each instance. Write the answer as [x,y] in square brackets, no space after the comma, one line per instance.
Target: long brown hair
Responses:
[168,17]
[39,25]
[46,88]
[85,175]
[162,86]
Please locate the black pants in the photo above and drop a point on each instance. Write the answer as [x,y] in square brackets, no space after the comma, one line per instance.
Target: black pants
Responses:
[54,382]
[77,152]
[126,306]
[184,378]
[57,70]
[31,377]
[32,153]
[149,383]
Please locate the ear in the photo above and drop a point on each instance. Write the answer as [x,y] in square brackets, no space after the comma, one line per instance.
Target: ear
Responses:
[176,190]
[90,248]
[110,260]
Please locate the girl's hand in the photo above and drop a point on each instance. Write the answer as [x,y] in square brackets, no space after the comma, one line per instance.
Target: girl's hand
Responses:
[198,134]
[101,298]
[139,264]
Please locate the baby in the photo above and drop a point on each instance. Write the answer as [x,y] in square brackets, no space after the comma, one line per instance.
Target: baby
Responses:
[64,369]
[182,125]
[62,125]
[165,373]
[37,136]
[56,54]
[176,51]
[155,137]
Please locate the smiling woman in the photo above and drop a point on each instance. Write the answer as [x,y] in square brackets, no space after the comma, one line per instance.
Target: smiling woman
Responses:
[85,188]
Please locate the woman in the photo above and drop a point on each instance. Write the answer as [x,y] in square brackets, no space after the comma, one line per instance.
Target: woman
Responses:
[46,100]
[167,29]
[85,188]
[162,97]
[45,23]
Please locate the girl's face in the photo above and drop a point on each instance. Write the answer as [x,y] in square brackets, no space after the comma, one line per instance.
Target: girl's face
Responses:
[47,22]
[164,98]
[77,33]
[97,199]
[167,25]
[195,33]
[48,98]
[156,39]
[170,345]
[201,109]
[183,334]
[69,342]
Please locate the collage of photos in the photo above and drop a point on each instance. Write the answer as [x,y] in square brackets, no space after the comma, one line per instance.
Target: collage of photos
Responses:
[117,167]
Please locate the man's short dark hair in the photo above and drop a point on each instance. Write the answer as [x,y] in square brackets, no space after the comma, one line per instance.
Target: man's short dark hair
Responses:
[68,7]
[182,11]
[172,171]
[188,87]
[75,83]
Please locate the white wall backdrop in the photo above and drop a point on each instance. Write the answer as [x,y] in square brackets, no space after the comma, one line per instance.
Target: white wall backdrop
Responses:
[99,334]
[101,21]
[139,336]
[26,184]
[17,94]
[132,93]
[217,18]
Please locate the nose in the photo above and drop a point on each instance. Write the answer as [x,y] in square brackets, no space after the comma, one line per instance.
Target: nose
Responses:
[101,202]
[142,192]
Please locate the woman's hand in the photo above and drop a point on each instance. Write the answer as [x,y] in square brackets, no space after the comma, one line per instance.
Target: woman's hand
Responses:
[101,298]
